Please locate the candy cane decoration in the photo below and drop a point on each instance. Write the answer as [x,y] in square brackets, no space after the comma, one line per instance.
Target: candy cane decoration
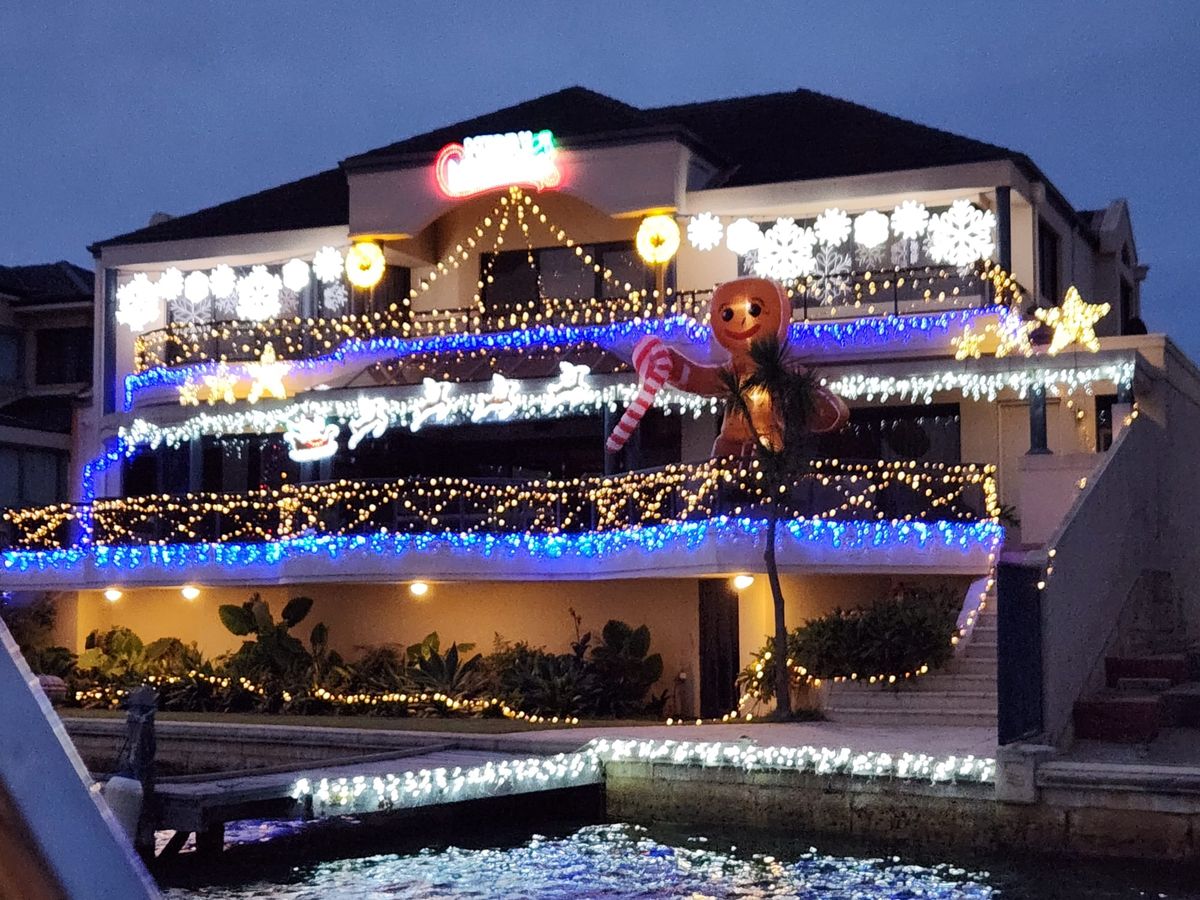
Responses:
[653,365]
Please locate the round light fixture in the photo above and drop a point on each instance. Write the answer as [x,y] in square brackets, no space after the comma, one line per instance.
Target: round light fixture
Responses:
[364,264]
[112,594]
[418,588]
[658,239]
[190,592]
[741,582]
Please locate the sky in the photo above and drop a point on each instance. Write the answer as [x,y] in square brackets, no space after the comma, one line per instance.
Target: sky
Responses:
[110,112]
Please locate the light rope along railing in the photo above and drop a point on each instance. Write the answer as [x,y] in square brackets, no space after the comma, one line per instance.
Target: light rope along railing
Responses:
[829,489]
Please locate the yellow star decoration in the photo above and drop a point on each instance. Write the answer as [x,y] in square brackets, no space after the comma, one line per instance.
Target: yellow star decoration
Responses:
[1013,333]
[969,343]
[189,393]
[266,376]
[220,386]
[1073,322]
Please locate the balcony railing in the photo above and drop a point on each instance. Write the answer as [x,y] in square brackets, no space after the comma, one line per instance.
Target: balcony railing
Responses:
[829,489]
[852,295]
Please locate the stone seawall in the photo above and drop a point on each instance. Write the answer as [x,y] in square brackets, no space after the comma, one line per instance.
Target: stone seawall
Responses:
[1096,820]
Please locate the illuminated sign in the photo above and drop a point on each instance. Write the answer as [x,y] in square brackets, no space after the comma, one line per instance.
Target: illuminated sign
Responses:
[490,161]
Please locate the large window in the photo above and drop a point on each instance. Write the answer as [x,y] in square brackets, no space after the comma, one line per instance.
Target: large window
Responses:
[31,476]
[10,357]
[64,355]
[521,276]
[1048,263]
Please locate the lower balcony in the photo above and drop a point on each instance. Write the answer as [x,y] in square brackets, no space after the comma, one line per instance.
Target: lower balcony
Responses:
[681,520]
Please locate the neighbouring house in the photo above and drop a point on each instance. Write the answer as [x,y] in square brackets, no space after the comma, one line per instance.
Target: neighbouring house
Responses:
[388,386]
[45,378]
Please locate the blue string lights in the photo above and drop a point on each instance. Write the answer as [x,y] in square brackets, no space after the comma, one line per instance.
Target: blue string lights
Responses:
[812,534]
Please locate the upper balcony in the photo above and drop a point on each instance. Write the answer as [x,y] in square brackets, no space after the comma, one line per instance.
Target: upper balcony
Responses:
[698,519]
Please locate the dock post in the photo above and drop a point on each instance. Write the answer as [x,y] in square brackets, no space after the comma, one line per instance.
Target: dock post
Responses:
[137,762]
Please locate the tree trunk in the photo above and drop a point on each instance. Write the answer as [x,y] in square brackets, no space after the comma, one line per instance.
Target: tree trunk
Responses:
[783,696]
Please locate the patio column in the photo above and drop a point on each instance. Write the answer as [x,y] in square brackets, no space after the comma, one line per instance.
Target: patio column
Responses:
[1004,227]
[1038,444]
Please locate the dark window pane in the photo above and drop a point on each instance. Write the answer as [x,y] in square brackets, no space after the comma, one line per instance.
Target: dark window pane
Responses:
[1048,262]
[10,356]
[64,355]
[513,280]
[565,275]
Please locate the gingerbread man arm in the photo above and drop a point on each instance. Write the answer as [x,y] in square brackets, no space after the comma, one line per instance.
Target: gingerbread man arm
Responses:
[695,378]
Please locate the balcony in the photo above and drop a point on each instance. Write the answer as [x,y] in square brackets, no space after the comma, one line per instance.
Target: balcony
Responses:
[682,520]
[891,292]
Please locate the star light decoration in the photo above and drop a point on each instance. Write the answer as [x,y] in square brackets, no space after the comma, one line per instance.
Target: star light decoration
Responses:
[969,344]
[266,376]
[704,231]
[1013,333]
[1073,322]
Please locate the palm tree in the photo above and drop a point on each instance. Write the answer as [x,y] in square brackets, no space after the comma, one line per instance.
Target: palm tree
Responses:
[790,394]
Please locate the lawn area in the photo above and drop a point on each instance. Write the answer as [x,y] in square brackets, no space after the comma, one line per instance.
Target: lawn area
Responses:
[459,725]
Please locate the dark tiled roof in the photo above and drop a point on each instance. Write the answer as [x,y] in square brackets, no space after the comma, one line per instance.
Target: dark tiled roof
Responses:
[60,282]
[789,136]
[313,202]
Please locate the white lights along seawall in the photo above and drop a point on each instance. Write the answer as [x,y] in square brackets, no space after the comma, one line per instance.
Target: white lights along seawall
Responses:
[430,787]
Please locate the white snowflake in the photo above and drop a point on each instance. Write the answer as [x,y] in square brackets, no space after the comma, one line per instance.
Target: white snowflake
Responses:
[223,282]
[871,229]
[335,297]
[909,220]
[832,227]
[327,265]
[138,302]
[870,257]
[906,253]
[195,287]
[962,235]
[258,295]
[295,275]
[743,236]
[170,284]
[786,252]
[289,302]
[704,231]
[186,311]
[831,276]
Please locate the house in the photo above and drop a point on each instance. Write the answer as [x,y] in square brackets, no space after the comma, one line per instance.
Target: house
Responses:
[388,386]
[45,377]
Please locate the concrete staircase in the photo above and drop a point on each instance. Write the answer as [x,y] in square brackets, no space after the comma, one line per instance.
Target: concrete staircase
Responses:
[961,693]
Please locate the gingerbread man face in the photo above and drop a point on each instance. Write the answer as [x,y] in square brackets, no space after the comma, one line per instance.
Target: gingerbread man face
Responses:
[748,309]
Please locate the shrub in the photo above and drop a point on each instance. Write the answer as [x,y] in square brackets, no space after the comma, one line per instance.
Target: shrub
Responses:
[623,670]
[893,636]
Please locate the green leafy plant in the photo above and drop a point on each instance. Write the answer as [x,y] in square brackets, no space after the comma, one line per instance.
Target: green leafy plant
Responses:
[275,657]
[624,669]
[445,673]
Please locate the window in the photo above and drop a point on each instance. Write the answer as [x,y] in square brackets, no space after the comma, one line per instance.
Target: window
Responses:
[924,433]
[1104,421]
[10,357]
[32,476]
[1048,253]
[521,276]
[64,355]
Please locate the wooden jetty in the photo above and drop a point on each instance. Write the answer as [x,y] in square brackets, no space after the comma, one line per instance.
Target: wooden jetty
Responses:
[426,776]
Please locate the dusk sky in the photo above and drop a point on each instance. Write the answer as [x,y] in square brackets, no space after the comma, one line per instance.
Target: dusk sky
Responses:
[114,111]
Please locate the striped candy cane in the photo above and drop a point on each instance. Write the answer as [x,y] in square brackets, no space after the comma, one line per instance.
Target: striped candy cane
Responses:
[653,365]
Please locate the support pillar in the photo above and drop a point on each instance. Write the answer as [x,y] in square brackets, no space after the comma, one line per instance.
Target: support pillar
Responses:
[1038,444]
[1004,227]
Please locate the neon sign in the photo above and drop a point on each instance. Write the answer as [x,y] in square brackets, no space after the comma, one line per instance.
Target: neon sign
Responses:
[488,161]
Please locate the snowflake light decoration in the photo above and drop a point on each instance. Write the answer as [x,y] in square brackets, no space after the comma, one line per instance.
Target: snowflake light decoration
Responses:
[871,229]
[962,235]
[195,287]
[704,231]
[832,227]
[258,295]
[909,220]
[786,252]
[327,265]
[170,284]
[831,276]
[185,311]
[743,236]
[335,297]
[138,302]
[222,282]
[295,275]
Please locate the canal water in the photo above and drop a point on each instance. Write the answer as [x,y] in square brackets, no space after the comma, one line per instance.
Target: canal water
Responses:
[629,861]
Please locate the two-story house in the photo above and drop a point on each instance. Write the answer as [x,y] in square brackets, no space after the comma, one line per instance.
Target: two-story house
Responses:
[388,386]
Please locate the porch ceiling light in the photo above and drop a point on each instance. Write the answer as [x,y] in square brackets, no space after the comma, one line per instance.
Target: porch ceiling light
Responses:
[741,582]
[190,592]
[112,594]
[418,588]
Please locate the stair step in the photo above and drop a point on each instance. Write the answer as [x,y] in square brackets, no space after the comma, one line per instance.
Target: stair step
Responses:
[915,701]
[943,680]
[980,651]
[963,665]
[1171,666]
[1181,706]
[1120,718]
[1143,684]
[981,716]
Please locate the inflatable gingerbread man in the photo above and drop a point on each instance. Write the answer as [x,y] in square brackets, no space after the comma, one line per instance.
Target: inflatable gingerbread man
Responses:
[742,311]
